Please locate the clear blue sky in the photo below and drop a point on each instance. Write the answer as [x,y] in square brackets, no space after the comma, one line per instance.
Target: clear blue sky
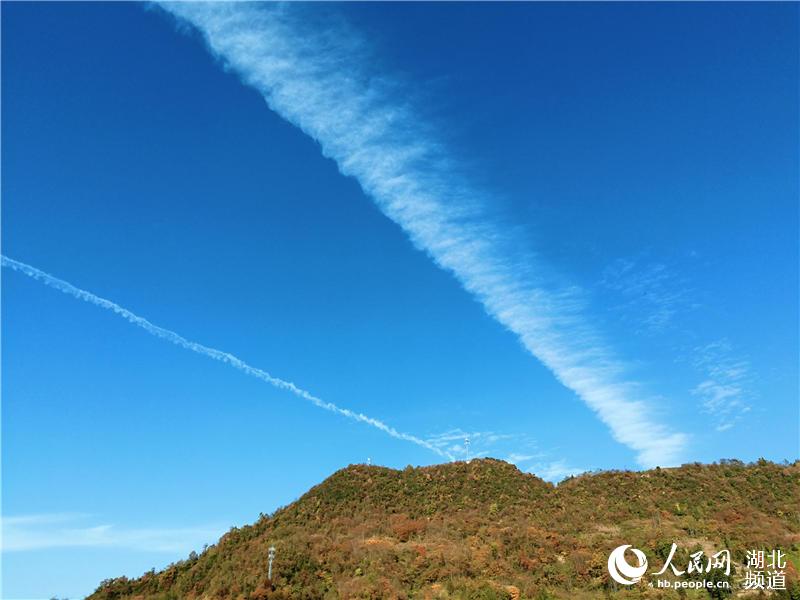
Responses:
[643,157]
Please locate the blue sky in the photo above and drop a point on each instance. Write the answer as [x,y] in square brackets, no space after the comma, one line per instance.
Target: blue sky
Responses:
[567,231]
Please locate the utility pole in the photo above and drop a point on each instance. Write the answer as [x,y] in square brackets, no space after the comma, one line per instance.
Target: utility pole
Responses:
[271,558]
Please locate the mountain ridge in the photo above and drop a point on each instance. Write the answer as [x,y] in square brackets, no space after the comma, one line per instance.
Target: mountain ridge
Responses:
[484,529]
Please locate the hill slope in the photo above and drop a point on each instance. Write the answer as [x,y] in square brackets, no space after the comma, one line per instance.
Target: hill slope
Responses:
[487,530]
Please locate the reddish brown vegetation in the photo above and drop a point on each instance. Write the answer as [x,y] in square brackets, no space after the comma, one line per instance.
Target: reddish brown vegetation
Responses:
[485,530]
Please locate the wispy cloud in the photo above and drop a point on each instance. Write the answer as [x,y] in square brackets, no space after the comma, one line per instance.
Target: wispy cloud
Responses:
[516,459]
[655,294]
[224,357]
[554,471]
[462,444]
[319,78]
[726,386]
[652,292]
[42,531]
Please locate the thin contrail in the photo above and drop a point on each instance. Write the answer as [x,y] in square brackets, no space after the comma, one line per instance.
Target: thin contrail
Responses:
[225,357]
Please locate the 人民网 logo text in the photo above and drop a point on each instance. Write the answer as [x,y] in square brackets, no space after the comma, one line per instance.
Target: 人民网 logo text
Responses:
[764,570]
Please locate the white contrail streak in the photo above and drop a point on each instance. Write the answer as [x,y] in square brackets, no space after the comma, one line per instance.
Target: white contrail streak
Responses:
[225,357]
[318,77]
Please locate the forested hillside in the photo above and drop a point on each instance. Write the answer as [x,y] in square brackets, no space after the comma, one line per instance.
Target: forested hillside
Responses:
[486,530]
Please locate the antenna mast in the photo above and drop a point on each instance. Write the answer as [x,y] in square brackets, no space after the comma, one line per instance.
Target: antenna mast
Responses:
[271,558]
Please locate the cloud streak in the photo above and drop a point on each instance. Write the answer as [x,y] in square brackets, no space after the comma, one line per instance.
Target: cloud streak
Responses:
[653,292]
[464,445]
[41,531]
[725,388]
[224,357]
[318,77]
[555,471]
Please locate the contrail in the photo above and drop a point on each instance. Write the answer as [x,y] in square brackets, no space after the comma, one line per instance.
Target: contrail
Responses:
[225,357]
[320,77]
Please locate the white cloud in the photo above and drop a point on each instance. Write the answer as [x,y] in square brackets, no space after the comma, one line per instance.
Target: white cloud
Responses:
[42,531]
[726,386]
[554,471]
[515,458]
[481,443]
[651,292]
[319,79]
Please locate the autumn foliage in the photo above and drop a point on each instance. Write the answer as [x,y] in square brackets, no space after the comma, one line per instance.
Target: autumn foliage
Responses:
[485,530]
